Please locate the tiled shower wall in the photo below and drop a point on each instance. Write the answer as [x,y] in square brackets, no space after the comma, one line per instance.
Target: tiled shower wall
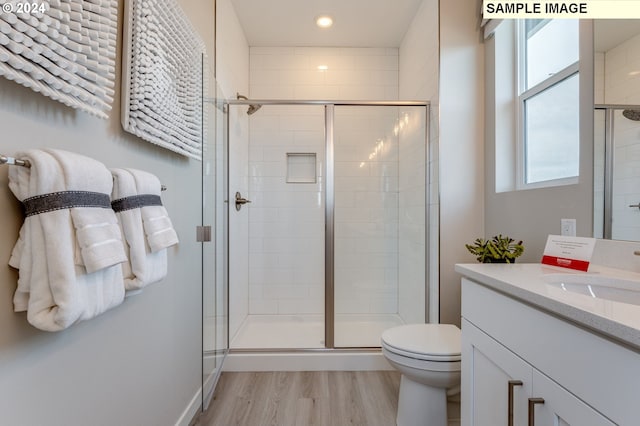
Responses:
[621,86]
[366,210]
[412,215]
[350,73]
[287,220]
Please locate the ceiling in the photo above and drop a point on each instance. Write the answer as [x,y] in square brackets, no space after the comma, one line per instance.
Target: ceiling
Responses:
[357,23]
[608,33]
[363,23]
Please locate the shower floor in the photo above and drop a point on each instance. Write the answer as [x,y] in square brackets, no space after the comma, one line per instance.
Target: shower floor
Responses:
[307,331]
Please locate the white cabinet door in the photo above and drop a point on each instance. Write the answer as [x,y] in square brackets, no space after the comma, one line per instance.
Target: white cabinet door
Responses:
[487,369]
[560,407]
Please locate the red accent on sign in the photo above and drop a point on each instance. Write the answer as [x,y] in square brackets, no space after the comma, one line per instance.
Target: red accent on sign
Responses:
[580,265]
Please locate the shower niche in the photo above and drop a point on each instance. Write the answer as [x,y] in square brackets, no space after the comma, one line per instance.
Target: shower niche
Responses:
[332,249]
[301,167]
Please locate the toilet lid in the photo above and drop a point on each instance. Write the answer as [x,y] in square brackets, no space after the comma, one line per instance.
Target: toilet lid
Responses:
[435,342]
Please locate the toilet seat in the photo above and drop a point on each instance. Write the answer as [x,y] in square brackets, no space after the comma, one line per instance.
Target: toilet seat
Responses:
[426,342]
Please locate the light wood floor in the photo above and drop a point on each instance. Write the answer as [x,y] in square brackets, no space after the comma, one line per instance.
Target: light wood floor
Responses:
[324,398]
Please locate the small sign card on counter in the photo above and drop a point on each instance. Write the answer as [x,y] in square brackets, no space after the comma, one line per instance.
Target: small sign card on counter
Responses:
[569,252]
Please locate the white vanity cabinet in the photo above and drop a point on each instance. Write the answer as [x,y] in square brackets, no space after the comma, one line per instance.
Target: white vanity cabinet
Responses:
[522,366]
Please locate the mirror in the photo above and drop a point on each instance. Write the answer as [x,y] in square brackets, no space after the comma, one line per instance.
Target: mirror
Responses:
[617,129]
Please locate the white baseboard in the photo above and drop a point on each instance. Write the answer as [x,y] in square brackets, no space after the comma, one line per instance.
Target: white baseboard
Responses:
[322,361]
[192,409]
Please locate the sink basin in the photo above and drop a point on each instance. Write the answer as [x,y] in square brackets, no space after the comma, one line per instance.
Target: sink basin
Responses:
[597,286]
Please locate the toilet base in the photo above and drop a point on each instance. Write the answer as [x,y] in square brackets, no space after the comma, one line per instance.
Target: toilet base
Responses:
[421,405]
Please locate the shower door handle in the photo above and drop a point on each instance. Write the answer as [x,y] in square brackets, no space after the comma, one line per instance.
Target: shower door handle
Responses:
[240,201]
[637,206]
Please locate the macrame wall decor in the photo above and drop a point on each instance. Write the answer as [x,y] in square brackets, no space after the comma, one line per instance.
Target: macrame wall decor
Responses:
[162,76]
[64,49]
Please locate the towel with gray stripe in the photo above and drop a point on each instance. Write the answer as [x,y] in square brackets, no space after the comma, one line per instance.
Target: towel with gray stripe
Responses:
[146,228]
[70,249]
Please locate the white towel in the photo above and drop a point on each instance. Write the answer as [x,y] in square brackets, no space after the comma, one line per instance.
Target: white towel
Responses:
[68,258]
[146,265]
[157,225]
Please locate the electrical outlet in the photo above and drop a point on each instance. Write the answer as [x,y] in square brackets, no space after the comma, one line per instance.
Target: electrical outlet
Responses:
[568,227]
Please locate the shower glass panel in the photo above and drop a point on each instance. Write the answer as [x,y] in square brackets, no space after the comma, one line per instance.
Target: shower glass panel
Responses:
[331,250]
[379,220]
[616,175]
[277,287]
[625,213]
[214,253]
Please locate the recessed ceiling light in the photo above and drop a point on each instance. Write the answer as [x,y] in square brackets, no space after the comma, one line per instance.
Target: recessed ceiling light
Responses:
[323,67]
[324,21]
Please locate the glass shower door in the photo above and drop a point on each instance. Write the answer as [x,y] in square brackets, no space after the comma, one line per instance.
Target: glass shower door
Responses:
[379,220]
[616,177]
[277,162]
[214,246]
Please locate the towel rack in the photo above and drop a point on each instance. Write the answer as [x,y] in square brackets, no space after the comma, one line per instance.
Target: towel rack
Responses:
[25,163]
[14,161]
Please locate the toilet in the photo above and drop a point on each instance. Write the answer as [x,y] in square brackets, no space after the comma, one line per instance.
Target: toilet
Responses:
[428,357]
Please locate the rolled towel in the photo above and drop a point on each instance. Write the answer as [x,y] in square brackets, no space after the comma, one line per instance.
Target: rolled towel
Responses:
[145,266]
[69,249]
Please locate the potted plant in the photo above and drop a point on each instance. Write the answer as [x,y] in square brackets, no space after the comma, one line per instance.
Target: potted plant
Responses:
[498,249]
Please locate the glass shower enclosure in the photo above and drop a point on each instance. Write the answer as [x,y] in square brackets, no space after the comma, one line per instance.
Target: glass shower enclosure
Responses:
[327,222]
[213,235]
[616,173]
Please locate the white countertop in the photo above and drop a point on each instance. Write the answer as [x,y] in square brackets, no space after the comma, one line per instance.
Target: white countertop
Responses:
[525,282]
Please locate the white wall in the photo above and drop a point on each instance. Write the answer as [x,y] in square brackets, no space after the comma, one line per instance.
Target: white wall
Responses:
[598,77]
[533,214]
[352,74]
[461,144]
[418,69]
[140,363]
[620,81]
[232,74]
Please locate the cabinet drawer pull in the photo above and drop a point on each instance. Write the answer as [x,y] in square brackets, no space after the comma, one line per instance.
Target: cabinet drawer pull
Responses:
[532,407]
[512,384]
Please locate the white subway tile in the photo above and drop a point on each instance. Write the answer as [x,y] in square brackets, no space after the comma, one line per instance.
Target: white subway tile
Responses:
[256,292]
[263,260]
[258,214]
[267,77]
[263,307]
[351,306]
[311,140]
[301,215]
[307,306]
[308,123]
[286,292]
[271,276]
[255,245]
[352,214]
[274,51]
[271,92]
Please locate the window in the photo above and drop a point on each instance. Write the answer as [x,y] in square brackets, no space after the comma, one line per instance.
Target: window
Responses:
[548,102]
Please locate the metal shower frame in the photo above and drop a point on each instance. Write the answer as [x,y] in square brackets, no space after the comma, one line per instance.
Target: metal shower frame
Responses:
[329,107]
